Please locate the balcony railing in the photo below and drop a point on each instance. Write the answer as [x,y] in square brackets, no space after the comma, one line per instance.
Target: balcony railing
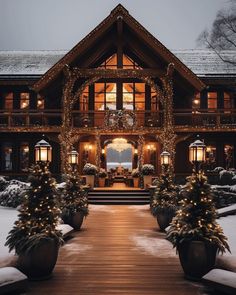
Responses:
[183,118]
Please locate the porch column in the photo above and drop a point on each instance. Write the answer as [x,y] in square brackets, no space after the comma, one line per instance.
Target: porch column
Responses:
[98,151]
[140,151]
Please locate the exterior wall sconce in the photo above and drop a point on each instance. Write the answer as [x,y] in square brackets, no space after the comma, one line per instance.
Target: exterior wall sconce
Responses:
[73,157]
[165,158]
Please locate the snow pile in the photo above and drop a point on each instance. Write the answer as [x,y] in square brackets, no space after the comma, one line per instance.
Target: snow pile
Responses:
[9,275]
[227,177]
[7,219]
[13,193]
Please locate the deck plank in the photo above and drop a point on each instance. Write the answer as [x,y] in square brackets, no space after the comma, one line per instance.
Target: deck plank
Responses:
[109,256]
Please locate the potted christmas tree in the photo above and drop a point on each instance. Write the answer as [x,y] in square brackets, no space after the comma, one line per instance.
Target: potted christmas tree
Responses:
[102,174]
[34,236]
[194,230]
[135,174]
[74,200]
[90,171]
[164,201]
[147,172]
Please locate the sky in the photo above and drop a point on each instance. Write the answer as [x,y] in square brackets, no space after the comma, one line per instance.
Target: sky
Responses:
[61,24]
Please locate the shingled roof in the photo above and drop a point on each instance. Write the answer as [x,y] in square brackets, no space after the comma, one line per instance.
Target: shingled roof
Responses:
[36,63]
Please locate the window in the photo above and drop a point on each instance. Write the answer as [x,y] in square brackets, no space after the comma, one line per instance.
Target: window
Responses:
[40,102]
[134,96]
[24,100]
[210,157]
[196,101]
[8,101]
[24,156]
[228,102]
[112,62]
[84,98]
[105,96]
[212,100]
[154,100]
[7,156]
[229,155]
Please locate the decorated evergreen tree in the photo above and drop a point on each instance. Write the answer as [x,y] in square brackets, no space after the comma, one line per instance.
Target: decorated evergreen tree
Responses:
[38,215]
[196,219]
[165,195]
[74,198]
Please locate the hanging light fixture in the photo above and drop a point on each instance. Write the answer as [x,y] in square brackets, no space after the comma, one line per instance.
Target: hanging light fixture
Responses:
[119,144]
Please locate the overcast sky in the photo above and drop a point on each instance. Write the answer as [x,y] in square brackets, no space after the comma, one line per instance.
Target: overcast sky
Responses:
[60,24]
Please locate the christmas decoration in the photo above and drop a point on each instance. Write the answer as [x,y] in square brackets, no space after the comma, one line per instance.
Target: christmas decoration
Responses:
[74,199]
[38,214]
[196,219]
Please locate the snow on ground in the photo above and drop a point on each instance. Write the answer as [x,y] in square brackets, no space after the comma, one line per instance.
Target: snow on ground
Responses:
[75,246]
[7,219]
[102,208]
[140,210]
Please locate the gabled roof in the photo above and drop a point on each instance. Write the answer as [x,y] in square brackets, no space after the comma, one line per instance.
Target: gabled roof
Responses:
[136,27]
[203,62]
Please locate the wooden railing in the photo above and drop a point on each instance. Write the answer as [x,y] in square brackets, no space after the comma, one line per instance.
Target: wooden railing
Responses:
[186,118]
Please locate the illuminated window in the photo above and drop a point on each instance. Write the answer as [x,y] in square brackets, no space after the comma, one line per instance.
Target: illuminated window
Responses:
[105,96]
[8,101]
[196,101]
[229,155]
[24,100]
[110,63]
[7,156]
[133,96]
[40,102]
[212,100]
[154,100]
[24,156]
[128,63]
[211,156]
[84,98]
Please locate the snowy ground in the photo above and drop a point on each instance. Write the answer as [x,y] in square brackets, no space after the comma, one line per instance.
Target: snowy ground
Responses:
[146,241]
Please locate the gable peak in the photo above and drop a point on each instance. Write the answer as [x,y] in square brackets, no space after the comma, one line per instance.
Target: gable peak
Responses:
[119,9]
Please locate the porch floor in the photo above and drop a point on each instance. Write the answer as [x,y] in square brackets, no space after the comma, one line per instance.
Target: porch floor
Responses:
[116,186]
[117,251]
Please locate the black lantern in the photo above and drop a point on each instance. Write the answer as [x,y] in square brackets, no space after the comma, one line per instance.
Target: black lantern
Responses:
[73,157]
[197,153]
[165,158]
[43,152]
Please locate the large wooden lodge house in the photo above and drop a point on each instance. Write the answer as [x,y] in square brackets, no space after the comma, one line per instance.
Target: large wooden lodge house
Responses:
[118,83]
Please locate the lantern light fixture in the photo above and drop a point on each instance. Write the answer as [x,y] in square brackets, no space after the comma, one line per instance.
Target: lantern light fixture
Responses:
[43,152]
[165,158]
[73,157]
[197,152]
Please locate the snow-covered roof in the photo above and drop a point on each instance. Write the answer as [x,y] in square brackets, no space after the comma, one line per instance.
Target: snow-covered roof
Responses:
[26,63]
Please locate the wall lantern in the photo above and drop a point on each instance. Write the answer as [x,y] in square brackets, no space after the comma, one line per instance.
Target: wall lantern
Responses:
[197,152]
[43,152]
[103,151]
[165,158]
[73,157]
[136,151]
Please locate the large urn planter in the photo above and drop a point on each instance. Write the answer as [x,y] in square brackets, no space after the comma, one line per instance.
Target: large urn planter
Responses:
[75,220]
[90,180]
[164,218]
[136,181]
[147,179]
[197,258]
[39,262]
[101,181]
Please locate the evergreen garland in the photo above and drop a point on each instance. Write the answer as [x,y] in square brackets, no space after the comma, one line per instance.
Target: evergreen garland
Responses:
[74,198]
[165,195]
[196,219]
[38,215]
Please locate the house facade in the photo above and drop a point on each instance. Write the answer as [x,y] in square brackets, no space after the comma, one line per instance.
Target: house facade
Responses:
[119,86]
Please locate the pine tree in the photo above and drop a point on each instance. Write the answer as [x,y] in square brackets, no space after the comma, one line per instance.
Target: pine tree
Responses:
[196,219]
[38,215]
[74,198]
[165,195]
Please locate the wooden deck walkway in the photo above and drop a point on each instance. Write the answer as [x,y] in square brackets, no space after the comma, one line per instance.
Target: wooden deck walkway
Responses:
[118,251]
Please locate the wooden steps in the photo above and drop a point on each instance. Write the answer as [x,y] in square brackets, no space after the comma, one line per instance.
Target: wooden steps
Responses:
[119,197]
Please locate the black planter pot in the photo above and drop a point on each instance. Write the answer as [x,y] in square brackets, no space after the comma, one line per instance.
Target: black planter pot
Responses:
[76,220]
[39,263]
[197,258]
[164,218]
